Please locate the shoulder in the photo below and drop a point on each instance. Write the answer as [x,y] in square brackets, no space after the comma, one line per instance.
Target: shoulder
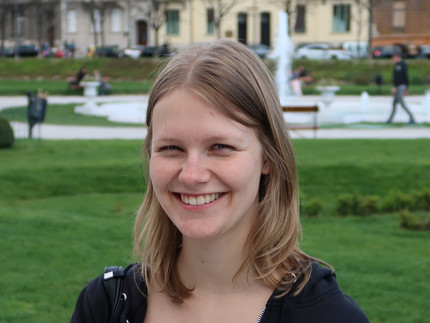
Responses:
[321,300]
[93,303]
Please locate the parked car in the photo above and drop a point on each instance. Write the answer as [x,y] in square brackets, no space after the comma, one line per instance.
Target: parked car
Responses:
[23,50]
[387,51]
[357,49]
[260,49]
[383,51]
[107,51]
[134,52]
[424,51]
[321,51]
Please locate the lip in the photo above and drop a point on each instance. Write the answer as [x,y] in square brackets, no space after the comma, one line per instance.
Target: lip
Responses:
[204,199]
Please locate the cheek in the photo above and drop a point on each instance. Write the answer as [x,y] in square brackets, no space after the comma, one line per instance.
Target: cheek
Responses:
[244,176]
[159,174]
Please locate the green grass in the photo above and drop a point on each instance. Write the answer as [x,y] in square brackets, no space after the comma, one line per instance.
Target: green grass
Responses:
[67,210]
[61,69]
[136,76]
[60,87]
[63,114]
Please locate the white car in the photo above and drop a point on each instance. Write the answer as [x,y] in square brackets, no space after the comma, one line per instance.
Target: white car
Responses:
[321,51]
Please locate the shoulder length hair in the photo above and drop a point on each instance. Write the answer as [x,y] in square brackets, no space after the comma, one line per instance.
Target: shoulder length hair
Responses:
[228,75]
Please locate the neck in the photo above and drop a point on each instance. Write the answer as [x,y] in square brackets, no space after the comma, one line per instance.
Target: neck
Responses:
[211,266]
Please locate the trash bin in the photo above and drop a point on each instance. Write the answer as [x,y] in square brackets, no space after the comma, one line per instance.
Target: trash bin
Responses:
[36,110]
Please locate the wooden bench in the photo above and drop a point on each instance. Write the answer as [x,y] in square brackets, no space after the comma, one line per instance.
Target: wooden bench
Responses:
[304,109]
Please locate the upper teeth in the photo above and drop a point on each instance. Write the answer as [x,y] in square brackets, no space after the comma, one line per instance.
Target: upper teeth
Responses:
[200,199]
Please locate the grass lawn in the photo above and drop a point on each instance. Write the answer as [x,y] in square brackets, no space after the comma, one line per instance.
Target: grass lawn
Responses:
[60,87]
[63,114]
[67,210]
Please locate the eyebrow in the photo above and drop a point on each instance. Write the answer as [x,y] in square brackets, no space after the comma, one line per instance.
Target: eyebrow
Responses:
[211,138]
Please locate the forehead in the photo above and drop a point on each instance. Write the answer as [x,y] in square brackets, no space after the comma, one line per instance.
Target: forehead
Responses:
[180,110]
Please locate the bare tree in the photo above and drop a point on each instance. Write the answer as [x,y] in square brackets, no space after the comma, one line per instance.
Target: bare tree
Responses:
[44,14]
[155,12]
[220,9]
[368,6]
[290,7]
[98,10]
[5,8]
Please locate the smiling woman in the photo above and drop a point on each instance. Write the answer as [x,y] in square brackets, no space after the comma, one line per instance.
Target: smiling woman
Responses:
[216,235]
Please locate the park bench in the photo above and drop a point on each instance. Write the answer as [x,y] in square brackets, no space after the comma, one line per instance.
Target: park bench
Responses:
[303,109]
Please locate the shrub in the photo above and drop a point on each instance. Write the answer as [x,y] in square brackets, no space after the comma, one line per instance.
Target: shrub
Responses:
[313,208]
[413,222]
[362,79]
[368,205]
[7,137]
[417,79]
[421,200]
[396,201]
[347,204]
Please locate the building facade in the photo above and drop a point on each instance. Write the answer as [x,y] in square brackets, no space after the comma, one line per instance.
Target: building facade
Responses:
[129,23]
[401,22]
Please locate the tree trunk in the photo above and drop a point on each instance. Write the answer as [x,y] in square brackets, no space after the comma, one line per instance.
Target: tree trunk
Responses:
[370,31]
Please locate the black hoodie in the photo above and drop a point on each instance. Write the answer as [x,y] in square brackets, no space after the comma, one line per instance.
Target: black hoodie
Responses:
[320,301]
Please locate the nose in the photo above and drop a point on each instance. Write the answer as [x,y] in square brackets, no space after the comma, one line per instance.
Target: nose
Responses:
[194,170]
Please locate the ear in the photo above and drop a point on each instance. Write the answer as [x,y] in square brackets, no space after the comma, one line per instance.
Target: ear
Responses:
[265,170]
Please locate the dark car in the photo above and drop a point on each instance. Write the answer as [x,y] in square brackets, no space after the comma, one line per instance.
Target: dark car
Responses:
[389,50]
[151,51]
[107,51]
[23,50]
[383,51]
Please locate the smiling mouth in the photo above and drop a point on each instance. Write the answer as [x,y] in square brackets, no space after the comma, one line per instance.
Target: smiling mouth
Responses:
[195,200]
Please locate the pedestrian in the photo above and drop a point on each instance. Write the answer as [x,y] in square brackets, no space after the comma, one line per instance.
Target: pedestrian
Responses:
[300,75]
[217,233]
[401,83]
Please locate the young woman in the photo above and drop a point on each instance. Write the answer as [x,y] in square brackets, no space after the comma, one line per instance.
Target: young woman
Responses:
[217,232]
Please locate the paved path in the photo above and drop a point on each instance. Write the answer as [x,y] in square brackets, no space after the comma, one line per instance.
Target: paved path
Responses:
[46,131]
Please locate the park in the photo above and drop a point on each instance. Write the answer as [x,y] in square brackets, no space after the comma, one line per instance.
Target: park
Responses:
[67,208]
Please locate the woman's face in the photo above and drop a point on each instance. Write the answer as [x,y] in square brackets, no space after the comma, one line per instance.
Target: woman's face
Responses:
[205,167]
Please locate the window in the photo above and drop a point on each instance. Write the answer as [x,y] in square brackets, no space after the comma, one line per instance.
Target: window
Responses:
[210,21]
[341,18]
[242,26]
[71,21]
[172,22]
[116,15]
[300,26]
[399,8]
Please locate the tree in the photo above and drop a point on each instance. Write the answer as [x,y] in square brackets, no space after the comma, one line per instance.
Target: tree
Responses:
[97,10]
[5,8]
[155,12]
[45,12]
[220,9]
[290,7]
[368,5]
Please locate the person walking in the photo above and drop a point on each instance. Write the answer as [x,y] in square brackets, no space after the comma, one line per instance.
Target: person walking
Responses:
[401,83]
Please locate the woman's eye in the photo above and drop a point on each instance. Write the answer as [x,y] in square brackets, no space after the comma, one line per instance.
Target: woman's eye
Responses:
[170,148]
[221,146]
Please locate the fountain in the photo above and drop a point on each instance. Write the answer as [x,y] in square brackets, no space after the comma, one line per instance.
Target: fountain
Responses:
[283,53]
[90,92]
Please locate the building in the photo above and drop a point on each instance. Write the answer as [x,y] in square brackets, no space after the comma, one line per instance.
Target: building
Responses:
[401,22]
[129,23]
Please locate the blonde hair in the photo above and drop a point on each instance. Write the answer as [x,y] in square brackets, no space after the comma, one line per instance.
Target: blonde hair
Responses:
[232,78]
